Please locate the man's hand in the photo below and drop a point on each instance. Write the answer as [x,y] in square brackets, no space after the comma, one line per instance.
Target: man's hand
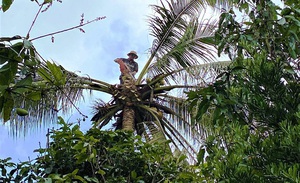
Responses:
[123,68]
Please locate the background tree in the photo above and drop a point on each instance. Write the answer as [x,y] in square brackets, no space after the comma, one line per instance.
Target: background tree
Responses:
[100,156]
[252,110]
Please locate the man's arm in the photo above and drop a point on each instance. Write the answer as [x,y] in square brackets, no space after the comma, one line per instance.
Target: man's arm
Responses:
[123,67]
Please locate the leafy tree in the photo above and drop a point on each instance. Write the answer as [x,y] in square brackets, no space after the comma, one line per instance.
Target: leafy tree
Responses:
[251,112]
[100,156]
[181,39]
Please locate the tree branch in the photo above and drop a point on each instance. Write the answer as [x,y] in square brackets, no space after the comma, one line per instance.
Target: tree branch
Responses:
[61,31]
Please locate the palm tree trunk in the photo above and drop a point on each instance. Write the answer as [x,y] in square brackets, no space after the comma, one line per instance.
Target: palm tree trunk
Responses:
[128,111]
[128,118]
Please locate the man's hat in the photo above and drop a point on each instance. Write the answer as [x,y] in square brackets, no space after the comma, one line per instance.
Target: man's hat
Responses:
[134,53]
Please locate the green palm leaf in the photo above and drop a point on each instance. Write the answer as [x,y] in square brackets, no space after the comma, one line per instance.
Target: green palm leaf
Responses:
[181,37]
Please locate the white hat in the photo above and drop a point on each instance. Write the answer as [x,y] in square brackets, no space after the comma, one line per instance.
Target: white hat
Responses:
[134,53]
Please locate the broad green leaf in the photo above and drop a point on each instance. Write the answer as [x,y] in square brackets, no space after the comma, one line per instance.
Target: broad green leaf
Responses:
[79,178]
[200,156]
[45,75]
[35,96]
[296,10]
[3,89]
[7,106]
[3,172]
[57,73]
[55,177]
[292,51]
[16,48]
[25,82]
[21,86]
[6,4]
[47,1]
[4,51]
[8,72]
[202,108]
[75,172]
[133,174]
[92,155]
[297,22]
[78,146]
[186,175]
[293,32]
[101,172]
[192,94]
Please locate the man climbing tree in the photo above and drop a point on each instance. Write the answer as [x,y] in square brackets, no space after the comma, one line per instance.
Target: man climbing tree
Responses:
[128,65]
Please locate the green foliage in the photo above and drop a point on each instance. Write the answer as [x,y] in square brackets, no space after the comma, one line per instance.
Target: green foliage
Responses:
[253,108]
[109,157]
[15,75]
[25,81]
[261,87]
[100,156]
[253,157]
[26,171]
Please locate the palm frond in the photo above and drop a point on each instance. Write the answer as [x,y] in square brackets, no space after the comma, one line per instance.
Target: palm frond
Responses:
[104,112]
[181,38]
[51,90]
[180,116]
[203,74]
[219,4]
[181,142]
[199,75]
[175,113]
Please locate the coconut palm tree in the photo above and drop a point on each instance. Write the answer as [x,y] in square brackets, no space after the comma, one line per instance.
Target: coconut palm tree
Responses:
[153,105]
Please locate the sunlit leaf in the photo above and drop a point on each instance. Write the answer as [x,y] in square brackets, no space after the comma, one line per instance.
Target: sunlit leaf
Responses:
[57,73]
[45,75]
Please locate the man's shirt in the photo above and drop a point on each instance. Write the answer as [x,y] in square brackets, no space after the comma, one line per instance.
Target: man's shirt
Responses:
[132,65]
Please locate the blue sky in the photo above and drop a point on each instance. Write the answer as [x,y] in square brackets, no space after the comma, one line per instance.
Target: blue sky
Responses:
[91,53]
